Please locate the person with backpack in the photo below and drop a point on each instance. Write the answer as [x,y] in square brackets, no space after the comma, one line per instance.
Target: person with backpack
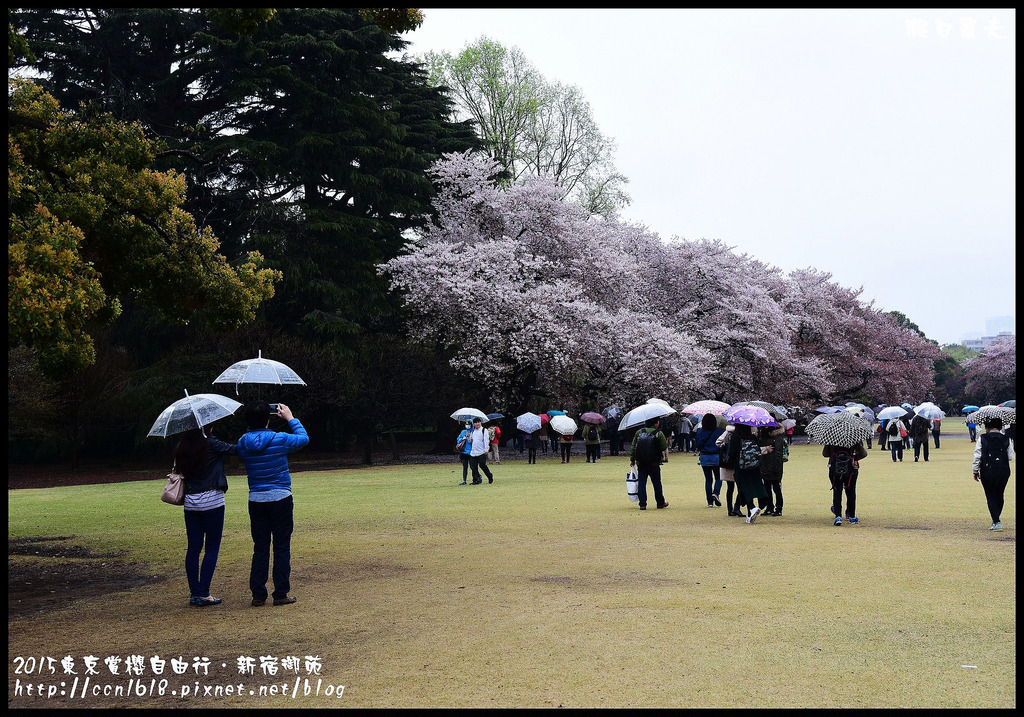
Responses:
[591,441]
[728,470]
[709,459]
[480,443]
[919,428]
[772,465]
[894,433]
[745,454]
[843,470]
[649,445]
[992,455]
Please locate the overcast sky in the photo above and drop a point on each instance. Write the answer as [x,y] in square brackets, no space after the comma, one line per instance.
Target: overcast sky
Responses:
[877,145]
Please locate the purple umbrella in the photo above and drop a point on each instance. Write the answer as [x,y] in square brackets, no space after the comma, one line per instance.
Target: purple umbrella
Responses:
[749,416]
[593,417]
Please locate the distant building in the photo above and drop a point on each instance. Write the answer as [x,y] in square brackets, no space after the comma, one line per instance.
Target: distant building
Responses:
[985,341]
[995,325]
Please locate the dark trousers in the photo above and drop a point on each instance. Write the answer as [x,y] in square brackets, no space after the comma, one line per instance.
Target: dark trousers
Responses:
[935,435]
[896,445]
[531,453]
[613,443]
[918,443]
[271,523]
[202,527]
[774,488]
[850,488]
[712,481]
[592,451]
[653,472]
[994,489]
[566,451]
[881,440]
[479,463]
[464,457]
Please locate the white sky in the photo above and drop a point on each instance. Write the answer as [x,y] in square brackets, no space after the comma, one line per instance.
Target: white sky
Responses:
[877,145]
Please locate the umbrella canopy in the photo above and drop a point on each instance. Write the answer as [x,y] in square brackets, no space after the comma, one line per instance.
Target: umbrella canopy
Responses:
[639,415]
[707,406]
[192,412]
[749,416]
[259,370]
[552,414]
[841,429]
[659,400]
[859,409]
[468,414]
[930,411]
[563,424]
[593,417]
[544,418]
[907,406]
[788,423]
[1009,415]
[612,412]
[495,416]
[1012,403]
[777,412]
[892,412]
[969,409]
[528,422]
[829,409]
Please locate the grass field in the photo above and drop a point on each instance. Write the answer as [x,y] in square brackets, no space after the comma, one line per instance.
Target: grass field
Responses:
[549,588]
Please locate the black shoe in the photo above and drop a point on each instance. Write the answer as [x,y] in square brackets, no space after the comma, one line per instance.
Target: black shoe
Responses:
[285,601]
[490,480]
[718,502]
[257,602]
[476,482]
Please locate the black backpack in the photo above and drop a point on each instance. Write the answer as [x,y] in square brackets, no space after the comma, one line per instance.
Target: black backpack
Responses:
[592,433]
[841,466]
[893,428]
[648,447]
[750,455]
[994,461]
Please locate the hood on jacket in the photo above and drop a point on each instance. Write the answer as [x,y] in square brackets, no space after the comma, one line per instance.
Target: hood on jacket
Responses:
[255,441]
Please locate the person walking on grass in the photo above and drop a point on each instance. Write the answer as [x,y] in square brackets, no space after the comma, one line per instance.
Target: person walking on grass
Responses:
[894,433]
[745,454]
[936,429]
[271,507]
[200,459]
[480,444]
[646,453]
[843,470]
[727,470]
[591,441]
[565,442]
[992,455]
[708,459]
[919,429]
[531,440]
[464,441]
[772,465]
[494,432]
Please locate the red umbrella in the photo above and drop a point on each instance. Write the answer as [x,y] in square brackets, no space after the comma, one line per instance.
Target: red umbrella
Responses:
[592,417]
[544,418]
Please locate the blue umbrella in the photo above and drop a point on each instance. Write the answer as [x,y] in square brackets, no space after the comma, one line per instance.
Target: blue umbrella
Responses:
[1012,403]
[969,409]
[556,413]
[528,422]
[494,416]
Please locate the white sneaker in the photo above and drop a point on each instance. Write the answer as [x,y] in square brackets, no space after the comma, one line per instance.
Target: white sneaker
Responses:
[753,515]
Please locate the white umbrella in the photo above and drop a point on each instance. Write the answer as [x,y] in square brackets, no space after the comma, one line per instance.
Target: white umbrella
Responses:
[930,411]
[891,412]
[563,424]
[528,422]
[639,415]
[259,370]
[468,414]
[192,412]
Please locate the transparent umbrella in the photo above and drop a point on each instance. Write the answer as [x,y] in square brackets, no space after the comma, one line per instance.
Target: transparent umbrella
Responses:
[192,412]
[644,411]
[259,370]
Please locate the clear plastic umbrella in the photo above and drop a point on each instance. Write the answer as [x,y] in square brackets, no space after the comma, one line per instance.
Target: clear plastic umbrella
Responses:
[641,413]
[891,412]
[468,414]
[259,370]
[192,412]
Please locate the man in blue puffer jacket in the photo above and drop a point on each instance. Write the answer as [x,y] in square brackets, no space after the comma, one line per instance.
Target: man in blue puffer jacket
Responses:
[265,454]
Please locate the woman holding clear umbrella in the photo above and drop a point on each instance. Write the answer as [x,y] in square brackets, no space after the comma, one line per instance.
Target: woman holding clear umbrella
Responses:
[200,459]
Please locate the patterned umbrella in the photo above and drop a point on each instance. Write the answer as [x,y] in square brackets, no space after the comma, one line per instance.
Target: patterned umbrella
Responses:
[563,424]
[777,412]
[749,416]
[528,422]
[1009,415]
[593,417]
[841,429]
[708,406]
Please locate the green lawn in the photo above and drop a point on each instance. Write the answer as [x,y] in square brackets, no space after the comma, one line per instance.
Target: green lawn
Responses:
[549,588]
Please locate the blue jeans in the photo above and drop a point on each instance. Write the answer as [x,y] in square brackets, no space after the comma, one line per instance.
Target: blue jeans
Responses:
[202,527]
[271,522]
[896,445]
[712,477]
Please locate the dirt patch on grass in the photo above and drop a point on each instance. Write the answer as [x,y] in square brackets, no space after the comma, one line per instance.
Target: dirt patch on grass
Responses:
[48,572]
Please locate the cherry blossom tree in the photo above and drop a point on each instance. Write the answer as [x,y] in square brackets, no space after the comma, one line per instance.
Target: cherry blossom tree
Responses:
[533,297]
[992,377]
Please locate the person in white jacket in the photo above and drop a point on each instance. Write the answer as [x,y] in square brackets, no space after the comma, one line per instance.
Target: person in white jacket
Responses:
[480,442]
[992,455]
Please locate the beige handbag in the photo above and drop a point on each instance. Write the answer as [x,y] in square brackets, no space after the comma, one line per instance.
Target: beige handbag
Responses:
[174,491]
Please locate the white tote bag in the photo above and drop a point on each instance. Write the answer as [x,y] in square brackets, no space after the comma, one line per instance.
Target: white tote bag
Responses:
[633,485]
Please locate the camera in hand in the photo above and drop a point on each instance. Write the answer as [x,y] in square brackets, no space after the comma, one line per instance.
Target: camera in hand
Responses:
[275,406]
